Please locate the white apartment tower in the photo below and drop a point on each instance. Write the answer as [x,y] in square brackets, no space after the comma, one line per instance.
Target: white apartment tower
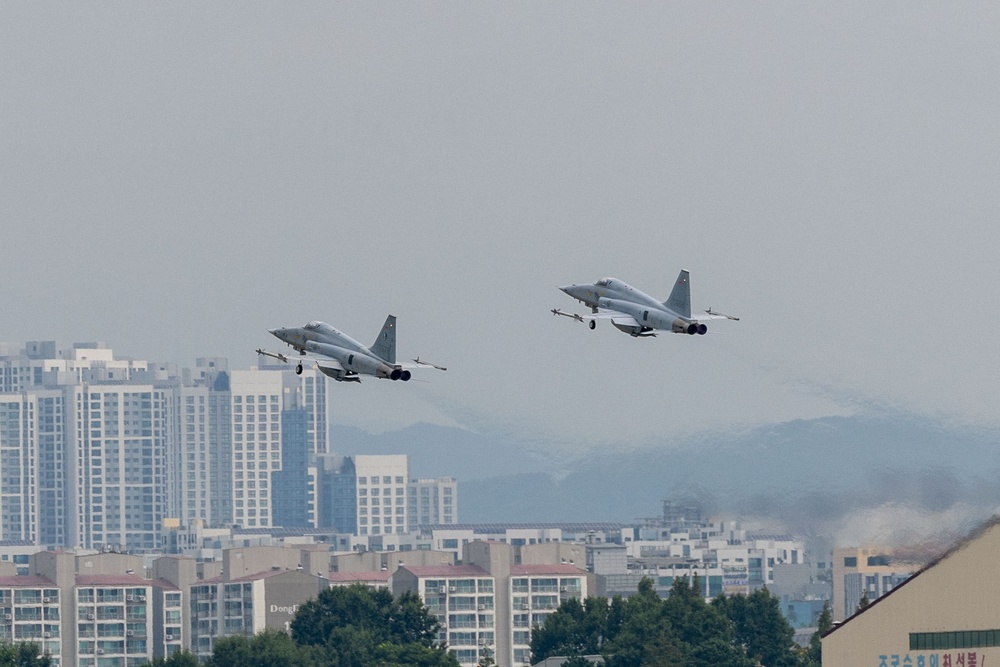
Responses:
[382,497]
[256,426]
[433,502]
[18,453]
[97,451]
[123,432]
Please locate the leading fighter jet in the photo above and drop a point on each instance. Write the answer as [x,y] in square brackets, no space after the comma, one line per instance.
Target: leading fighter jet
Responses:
[339,356]
[638,314]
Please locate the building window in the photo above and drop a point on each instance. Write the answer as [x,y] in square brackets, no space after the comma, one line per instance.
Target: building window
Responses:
[923,641]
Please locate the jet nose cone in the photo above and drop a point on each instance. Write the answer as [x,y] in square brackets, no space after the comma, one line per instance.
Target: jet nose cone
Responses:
[567,288]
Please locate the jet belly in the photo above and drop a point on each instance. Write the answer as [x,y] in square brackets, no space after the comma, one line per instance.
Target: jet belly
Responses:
[353,360]
[650,318]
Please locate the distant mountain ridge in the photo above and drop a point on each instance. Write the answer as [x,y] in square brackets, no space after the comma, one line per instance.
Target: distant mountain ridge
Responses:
[799,471]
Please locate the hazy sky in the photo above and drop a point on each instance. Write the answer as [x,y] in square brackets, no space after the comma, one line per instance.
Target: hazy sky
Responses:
[177,178]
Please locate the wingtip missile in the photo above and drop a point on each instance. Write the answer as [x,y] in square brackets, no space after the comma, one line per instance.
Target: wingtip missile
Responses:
[715,312]
[273,355]
[578,318]
[426,363]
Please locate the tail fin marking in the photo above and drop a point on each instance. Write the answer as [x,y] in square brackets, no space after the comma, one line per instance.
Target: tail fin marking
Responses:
[680,297]
[385,344]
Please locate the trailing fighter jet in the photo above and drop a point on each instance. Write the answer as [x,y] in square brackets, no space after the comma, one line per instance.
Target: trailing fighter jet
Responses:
[339,356]
[637,313]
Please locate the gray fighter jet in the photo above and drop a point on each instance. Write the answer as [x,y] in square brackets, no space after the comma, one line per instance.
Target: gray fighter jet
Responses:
[638,314]
[341,357]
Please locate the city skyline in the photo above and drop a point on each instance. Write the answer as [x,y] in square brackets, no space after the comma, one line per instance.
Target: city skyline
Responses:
[96,450]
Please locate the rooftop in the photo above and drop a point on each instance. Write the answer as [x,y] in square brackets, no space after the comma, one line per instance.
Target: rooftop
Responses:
[445,570]
[553,568]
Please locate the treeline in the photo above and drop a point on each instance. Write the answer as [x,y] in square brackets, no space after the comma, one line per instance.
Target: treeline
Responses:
[681,630]
[351,626]
[359,627]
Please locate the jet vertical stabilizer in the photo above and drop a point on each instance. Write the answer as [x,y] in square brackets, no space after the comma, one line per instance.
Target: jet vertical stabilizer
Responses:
[385,344]
[680,296]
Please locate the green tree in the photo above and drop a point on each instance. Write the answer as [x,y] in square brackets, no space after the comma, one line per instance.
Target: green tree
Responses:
[824,623]
[268,648]
[644,630]
[863,603]
[487,659]
[23,655]
[356,626]
[642,623]
[179,659]
[702,631]
[412,655]
[577,661]
[760,627]
[575,628]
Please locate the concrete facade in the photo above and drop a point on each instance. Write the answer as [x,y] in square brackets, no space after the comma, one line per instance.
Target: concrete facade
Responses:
[945,615]
[859,571]
[489,604]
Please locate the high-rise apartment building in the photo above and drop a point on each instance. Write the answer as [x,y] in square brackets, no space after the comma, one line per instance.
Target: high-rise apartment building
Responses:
[365,494]
[97,451]
[123,432]
[368,495]
[433,502]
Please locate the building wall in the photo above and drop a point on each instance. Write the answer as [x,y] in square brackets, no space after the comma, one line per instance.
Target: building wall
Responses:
[18,474]
[496,558]
[858,570]
[256,427]
[122,434]
[189,475]
[432,502]
[381,493]
[958,594]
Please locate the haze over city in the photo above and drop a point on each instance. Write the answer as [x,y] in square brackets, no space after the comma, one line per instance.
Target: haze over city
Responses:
[179,179]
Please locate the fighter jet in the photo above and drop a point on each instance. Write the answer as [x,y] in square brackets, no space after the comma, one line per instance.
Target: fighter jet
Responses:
[339,356]
[638,314]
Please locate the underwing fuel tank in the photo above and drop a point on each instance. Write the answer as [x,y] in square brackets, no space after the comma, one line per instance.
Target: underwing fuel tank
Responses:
[338,375]
[627,328]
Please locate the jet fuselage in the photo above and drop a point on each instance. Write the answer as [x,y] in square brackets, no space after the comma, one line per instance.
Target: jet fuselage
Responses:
[650,314]
[322,339]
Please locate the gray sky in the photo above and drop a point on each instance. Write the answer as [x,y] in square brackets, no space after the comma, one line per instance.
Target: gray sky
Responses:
[177,178]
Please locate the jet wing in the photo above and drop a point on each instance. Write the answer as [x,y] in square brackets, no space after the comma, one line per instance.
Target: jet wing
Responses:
[615,316]
[318,359]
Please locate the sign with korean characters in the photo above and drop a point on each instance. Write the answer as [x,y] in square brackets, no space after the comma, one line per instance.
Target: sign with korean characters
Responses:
[949,659]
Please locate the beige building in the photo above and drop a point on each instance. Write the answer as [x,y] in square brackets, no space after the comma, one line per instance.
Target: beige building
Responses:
[945,615]
[490,604]
[98,610]
[870,572]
